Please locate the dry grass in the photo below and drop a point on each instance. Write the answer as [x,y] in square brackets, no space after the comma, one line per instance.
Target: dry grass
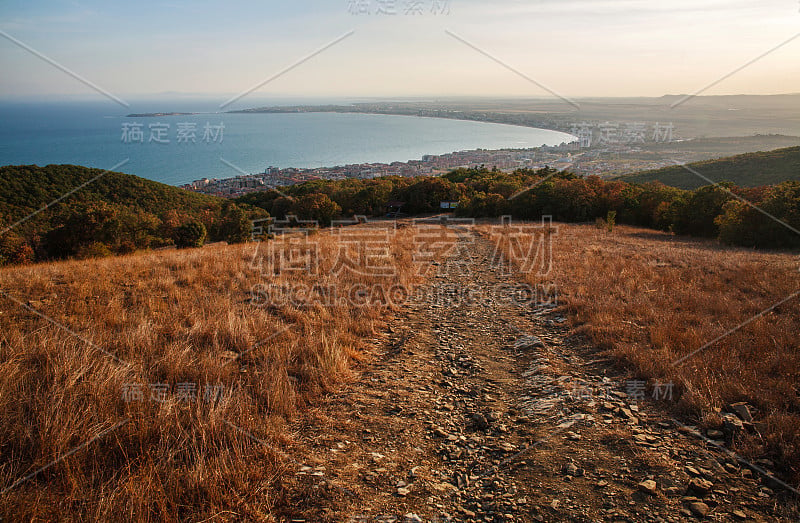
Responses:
[651,299]
[170,317]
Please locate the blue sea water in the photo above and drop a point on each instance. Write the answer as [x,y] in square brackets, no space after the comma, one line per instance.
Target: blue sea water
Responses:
[91,133]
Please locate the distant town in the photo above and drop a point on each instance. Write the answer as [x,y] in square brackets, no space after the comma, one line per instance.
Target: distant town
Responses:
[604,161]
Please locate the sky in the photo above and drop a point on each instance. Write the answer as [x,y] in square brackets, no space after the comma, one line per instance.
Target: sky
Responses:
[398,48]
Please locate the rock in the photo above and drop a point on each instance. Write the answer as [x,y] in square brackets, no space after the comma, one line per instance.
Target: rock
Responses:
[444,487]
[403,492]
[607,406]
[506,447]
[738,514]
[570,469]
[732,424]
[699,508]
[601,484]
[528,342]
[412,518]
[480,421]
[742,410]
[648,486]
[700,486]
[462,481]
[715,434]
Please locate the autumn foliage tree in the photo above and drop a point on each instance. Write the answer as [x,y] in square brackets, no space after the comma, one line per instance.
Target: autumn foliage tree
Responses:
[317,207]
[770,224]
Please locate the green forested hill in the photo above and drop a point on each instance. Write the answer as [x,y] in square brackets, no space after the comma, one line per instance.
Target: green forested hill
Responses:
[93,212]
[745,170]
[26,188]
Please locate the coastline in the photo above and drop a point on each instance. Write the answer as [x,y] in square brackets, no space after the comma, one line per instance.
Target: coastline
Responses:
[466,116]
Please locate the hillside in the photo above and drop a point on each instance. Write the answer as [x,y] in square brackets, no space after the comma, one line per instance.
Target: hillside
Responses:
[219,384]
[27,188]
[61,211]
[746,170]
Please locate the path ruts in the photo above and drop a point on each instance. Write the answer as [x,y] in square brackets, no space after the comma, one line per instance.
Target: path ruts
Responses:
[480,407]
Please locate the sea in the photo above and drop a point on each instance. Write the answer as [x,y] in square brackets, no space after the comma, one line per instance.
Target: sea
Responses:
[177,149]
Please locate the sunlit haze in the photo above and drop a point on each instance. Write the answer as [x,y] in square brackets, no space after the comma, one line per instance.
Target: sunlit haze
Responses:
[401,48]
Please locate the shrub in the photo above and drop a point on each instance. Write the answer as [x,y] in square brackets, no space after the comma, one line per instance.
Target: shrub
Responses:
[14,250]
[93,250]
[191,234]
[611,220]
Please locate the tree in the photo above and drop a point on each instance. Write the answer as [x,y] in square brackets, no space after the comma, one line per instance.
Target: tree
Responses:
[14,250]
[80,226]
[234,226]
[318,207]
[741,224]
[696,217]
[282,206]
[425,194]
[191,234]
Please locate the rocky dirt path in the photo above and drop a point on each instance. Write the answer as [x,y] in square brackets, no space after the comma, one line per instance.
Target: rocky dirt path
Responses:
[489,410]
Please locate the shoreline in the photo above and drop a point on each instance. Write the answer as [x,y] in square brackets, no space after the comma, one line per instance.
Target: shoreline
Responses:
[344,109]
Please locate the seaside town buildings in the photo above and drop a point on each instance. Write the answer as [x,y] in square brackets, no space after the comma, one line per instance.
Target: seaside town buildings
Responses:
[603,161]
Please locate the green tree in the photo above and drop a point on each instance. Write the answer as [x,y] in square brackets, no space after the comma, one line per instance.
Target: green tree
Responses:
[743,224]
[234,226]
[696,216]
[318,207]
[192,234]
[81,225]
[281,207]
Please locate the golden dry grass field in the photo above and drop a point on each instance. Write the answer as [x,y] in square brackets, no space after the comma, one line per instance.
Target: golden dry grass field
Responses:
[159,386]
[173,373]
[720,323]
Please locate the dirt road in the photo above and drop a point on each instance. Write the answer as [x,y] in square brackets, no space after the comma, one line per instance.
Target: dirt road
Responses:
[489,409]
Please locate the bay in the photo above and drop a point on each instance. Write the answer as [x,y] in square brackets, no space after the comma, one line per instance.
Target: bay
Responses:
[95,134]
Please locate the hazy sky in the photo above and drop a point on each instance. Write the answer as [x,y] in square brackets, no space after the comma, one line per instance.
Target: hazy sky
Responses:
[574,47]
